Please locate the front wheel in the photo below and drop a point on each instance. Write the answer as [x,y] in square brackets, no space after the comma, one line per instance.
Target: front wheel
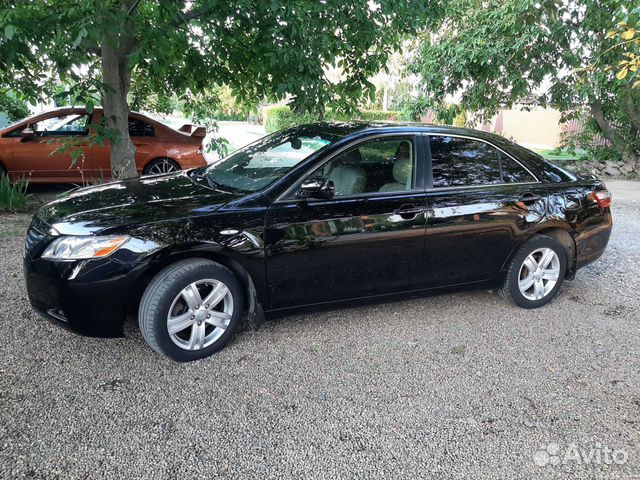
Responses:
[191,309]
[535,272]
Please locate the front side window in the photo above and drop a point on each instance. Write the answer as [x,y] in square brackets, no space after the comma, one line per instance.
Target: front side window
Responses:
[382,165]
[254,167]
[62,125]
[466,162]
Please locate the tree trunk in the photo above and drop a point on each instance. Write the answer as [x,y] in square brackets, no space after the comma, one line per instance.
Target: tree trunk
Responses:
[321,112]
[117,80]
[627,154]
[632,110]
[605,127]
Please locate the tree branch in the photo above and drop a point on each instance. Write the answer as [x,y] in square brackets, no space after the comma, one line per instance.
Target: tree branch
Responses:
[605,127]
[194,14]
[129,42]
[132,7]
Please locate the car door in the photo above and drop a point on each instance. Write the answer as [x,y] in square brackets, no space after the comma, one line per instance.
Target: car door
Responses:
[143,138]
[367,240]
[49,154]
[481,202]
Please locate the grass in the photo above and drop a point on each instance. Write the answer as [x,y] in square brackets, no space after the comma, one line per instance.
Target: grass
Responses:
[14,197]
[558,154]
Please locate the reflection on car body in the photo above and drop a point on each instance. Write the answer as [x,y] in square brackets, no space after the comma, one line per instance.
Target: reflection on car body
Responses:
[337,212]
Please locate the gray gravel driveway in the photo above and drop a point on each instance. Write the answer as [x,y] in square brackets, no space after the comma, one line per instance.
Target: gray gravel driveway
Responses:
[450,386]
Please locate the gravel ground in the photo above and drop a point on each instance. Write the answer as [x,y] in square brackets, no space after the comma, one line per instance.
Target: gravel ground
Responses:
[448,386]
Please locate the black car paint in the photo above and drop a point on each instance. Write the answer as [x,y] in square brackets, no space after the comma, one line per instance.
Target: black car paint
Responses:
[290,252]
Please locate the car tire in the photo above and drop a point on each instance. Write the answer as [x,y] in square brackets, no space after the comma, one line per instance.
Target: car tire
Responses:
[535,273]
[176,320]
[160,166]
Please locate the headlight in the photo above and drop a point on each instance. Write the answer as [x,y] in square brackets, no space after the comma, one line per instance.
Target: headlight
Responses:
[78,248]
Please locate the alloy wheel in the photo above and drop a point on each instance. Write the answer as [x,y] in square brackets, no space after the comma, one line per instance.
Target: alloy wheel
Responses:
[539,274]
[200,314]
[163,166]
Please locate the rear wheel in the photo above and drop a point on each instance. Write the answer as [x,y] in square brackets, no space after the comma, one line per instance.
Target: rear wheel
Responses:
[160,166]
[191,309]
[535,272]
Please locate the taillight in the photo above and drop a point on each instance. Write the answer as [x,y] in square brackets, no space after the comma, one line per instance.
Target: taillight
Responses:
[603,197]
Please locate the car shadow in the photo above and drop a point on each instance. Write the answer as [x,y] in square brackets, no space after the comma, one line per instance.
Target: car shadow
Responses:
[46,193]
[386,299]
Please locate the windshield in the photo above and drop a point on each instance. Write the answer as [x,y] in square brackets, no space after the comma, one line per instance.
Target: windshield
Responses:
[265,161]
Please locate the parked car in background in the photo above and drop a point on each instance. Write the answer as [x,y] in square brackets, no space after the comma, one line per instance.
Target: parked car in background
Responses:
[30,148]
[317,214]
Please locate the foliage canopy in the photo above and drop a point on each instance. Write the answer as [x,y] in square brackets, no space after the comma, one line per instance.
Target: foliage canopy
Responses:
[103,49]
[498,53]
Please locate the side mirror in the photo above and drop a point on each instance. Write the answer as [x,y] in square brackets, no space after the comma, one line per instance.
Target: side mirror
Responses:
[317,187]
[27,134]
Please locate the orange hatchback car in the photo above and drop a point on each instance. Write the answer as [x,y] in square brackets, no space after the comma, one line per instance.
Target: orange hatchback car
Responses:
[29,148]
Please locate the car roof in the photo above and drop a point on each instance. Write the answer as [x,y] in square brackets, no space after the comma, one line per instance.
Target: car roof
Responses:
[353,127]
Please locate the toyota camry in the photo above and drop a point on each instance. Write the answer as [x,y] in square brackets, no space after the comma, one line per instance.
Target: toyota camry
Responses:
[317,214]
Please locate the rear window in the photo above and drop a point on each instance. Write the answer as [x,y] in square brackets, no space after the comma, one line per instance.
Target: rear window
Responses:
[140,128]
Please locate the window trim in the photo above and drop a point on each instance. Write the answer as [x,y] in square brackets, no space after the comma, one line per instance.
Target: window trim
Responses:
[16,133]
[415,137]
[484,185]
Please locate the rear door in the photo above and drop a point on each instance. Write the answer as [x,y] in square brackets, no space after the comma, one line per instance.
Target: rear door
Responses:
[143,138]
[481,202]
[367,240]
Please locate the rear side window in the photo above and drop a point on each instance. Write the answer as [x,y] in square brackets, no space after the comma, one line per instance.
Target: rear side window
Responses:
[513,172]
[466,162]
[140,128]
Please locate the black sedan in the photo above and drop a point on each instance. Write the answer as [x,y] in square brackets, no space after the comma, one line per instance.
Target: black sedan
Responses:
[317,214]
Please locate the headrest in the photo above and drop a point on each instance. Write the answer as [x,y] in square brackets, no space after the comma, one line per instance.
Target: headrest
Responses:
[402,170]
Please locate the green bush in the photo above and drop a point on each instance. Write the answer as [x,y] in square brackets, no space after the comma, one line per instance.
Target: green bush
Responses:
[278,117]
[14,196]
[379,115]
[13,107]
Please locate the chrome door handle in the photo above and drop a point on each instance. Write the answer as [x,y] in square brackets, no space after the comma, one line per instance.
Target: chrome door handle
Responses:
[530,198]
[409,212]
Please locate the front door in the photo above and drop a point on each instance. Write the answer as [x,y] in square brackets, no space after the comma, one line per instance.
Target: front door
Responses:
[481,203]
[367,240]
[49,155]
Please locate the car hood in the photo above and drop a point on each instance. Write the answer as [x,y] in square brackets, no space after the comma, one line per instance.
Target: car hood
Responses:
[111,206]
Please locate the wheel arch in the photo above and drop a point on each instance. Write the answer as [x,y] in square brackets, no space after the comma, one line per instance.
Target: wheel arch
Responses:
[564,237]
[160,157]
[559,233]
[251,306]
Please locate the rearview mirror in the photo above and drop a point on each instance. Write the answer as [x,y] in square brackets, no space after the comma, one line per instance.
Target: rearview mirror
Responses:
[317,187]
[27,134]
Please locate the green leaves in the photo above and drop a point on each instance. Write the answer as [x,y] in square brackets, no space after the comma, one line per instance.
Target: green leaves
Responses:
[273,49]
[493,54]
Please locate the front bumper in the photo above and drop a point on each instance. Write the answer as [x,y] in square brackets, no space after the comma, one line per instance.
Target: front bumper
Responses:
[88,297]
